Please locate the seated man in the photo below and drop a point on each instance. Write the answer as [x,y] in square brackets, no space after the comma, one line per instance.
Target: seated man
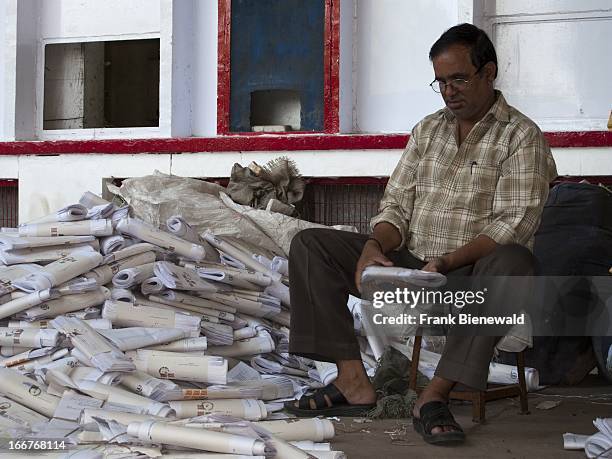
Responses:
[465,198]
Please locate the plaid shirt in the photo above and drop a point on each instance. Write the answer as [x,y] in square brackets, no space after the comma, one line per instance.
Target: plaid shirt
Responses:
[440,196]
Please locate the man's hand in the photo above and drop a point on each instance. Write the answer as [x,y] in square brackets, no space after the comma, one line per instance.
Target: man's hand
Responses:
[437,265]
[371,255]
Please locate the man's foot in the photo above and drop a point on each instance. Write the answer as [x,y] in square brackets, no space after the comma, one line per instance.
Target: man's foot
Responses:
[437,391]
[436,415]
[327,401]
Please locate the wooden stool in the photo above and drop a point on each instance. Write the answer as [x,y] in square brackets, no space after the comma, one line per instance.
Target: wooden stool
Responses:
[479,398]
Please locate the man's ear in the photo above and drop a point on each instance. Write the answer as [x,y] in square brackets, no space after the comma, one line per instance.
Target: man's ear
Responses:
[489,71]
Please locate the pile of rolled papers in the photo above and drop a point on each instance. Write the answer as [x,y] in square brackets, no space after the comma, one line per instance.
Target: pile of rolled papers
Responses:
[120,339]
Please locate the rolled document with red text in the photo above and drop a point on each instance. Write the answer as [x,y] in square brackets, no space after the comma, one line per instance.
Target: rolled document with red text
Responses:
[66,304]
[168,241]
[182,366]
[59,271]
[27,392]
[29,337]
[78,228]
[162,432]
[249,409]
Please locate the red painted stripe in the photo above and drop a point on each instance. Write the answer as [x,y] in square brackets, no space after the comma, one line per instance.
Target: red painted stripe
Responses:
[223,66]
[262,142]
[331,56]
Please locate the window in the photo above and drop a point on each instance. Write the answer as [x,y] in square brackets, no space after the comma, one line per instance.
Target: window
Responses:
[278,66]
[104,84]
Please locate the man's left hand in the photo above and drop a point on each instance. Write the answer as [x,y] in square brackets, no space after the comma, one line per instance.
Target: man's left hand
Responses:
[437,265]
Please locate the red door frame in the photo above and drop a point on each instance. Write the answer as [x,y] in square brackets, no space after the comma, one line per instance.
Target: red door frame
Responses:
[331,69]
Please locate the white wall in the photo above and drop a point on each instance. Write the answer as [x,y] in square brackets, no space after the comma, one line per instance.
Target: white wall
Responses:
[393,68]
[554,60]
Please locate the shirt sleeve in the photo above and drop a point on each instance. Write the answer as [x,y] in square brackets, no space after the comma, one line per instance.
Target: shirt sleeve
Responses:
[522,190]
[398,200]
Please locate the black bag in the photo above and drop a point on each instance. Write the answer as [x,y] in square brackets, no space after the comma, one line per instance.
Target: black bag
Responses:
[574,239]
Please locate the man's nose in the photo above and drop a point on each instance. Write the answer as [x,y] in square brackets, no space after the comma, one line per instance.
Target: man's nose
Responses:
[448,89]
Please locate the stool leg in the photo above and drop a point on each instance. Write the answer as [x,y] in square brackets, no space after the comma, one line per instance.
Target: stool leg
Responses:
[520,366]
[414,365]
[478,407]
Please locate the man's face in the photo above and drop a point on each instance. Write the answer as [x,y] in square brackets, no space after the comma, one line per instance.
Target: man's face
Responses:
[469,102]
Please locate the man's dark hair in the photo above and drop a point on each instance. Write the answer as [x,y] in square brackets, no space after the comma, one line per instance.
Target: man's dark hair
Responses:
[482,50]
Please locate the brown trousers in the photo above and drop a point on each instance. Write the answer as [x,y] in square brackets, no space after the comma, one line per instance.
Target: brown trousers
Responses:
[322,266]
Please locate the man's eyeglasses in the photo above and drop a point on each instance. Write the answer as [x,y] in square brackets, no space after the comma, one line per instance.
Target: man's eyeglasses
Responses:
[458,84]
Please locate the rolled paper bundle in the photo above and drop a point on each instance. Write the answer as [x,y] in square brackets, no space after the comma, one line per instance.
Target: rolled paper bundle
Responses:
[168,241]
[162,299]
[10,351]
[182,345]
[130,251]
[26,355]
[122,294]
[29,366]
[15,416]
[251,306]
[23,242]
[181,297]
[104,274]
[280,265]
[218,334]
[88,414]
[219,442]
[285,449]
[93,374]
[313,429]
[182,366]
[309,445]
[244,333]
[263,260]
[41,254]
[177,277]
[110,244]
[117,395]
[71,213]
[226,277]
[131,338]
[280,291]
[179,227]
[249,409]
[151,285]
[128,277]
[247,275]
[238,254]
[27,392]
[66,304]
[327,372]
[104,355]
[78,228]
[59,271]
[231,261]
[29,337]
[260,344]
[124,314]
[24,302]
[160,390]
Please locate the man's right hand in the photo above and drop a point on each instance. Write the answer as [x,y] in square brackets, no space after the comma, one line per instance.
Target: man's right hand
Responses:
[370,255]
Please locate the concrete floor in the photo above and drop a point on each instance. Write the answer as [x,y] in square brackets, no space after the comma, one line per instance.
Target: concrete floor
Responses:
[506,434]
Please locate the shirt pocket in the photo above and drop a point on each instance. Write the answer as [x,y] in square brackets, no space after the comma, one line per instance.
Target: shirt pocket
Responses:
[475,186]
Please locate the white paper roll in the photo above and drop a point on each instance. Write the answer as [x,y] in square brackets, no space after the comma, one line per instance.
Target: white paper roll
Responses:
[161,432]
[128,277]
[79,228]
[27,392]
[249,409]
[29,337]
[66,304]
[24,302]
[314,429]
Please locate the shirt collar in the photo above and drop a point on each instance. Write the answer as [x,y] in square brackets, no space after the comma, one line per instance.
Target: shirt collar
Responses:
[499,110]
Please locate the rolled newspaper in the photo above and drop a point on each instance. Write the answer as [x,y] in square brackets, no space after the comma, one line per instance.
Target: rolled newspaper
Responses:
[260,344]
[130,251]
[160,390]
[151,285]
[249,409]
[124,314]
[163,299]
[24,242]
[73,212]
[88,415]
[103,274]
[177,277]
[238,254]
[179,227]
[41,254]
[183,345]
[182,366]
[162,432]
[168,241]
[110,244]
[27,392]
[117,395]
[131,338]
[122,294]
[29,337]
[314,429]
[14,415]
[24,302]
[78,228]
[280,265]
[59,271]
[128,277]
[181,297]
[66,304]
